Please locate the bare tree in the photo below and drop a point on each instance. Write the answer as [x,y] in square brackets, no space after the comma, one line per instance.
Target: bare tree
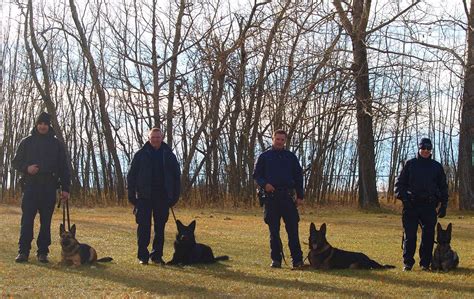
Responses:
[466,137]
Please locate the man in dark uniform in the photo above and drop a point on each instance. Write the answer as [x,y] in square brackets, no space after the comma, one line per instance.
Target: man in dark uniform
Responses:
[279,174]
[153,187]
[41,159]
[421,187]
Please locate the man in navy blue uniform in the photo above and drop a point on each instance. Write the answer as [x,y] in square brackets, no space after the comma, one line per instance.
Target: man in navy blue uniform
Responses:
[279,174]
[153,187]
[422,187]
[41,159]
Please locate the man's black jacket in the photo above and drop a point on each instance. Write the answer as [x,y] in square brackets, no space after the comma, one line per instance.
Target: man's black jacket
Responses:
[422,180]
[139,177]
[281,169]
[48,153]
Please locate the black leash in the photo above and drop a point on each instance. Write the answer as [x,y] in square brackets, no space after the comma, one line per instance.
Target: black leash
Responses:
[65,213]
[282,253]
[171,208]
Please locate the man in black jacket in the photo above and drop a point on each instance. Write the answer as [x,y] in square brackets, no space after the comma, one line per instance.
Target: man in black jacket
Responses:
[153,187]
[279,174]
[41,159]
[421,186]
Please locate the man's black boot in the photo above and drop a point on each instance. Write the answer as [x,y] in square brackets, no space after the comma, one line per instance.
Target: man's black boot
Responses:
[43,258]
[21,258]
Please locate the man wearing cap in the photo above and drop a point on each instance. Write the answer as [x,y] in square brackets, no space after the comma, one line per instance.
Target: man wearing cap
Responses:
[279,175]
[41,160]
[422,187]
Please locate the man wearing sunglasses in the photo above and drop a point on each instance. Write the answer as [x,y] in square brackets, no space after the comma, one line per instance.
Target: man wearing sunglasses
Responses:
[422,187]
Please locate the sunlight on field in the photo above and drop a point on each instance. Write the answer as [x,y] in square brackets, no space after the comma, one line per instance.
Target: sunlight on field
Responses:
[243,236]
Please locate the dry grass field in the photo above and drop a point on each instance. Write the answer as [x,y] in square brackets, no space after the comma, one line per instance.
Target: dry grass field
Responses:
[243,236]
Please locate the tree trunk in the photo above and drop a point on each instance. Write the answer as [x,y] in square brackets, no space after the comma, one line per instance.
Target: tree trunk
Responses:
[466,137]
[367,179]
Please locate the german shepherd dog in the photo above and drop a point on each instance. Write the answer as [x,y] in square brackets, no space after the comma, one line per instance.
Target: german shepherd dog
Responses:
[444,258]
[75,253]
[187,251]
[323,256]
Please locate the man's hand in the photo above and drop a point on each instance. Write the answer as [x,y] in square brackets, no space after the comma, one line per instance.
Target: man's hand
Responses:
[269,188]
[33,169]
[407,204]
[64,196]
[442,211]
[298,202]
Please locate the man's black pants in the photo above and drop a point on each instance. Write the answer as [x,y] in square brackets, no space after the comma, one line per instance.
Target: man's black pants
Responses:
[38,197]
[146,209]
[281,205]
[424,215]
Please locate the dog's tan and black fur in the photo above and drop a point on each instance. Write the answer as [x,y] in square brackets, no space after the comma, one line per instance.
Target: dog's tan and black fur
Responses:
[75,253]
[323,256]
[444,257]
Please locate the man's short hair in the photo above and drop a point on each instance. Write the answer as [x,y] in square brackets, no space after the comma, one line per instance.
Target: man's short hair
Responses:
[155,129]
[280,131]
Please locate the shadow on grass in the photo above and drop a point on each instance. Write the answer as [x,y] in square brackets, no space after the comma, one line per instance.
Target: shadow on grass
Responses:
[218,270]
[375,275]
[222,271]
[131,279]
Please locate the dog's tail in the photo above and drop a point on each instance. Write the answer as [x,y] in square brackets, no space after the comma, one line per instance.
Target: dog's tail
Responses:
[105,259]
[374,265]
[221,258]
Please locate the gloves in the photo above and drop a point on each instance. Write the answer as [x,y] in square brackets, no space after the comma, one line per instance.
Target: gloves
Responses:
[442,210]
[132,200]
[407,204]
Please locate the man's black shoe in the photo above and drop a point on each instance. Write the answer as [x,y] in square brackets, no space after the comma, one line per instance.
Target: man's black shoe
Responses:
[142,262]
[21,258]
[43,258]
[298,265]
[407,268]
[275,264]
[158,261]
[425,268]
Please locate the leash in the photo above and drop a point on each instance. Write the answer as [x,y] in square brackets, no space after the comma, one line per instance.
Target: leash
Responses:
[282,253]
[65,213]
[172,211]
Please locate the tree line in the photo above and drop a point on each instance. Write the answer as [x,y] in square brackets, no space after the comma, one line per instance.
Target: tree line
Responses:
[354,83]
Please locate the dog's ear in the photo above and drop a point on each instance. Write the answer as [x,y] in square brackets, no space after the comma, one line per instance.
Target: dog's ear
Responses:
[73,230]
[312,228]
[449,230]
[438,227]
[322,229]
[180,225]
[192,226]
[61,229]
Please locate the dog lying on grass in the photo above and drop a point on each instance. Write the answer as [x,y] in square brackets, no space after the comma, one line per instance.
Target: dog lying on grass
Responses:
[75,253]
[323,256]
[187,251]
[444,258]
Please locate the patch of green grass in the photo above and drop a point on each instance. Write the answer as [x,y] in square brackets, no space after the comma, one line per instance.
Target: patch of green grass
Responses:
[243,236]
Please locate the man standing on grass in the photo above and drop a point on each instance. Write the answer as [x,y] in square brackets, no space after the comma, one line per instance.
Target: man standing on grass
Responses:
[421,187]
[153,187]
[41,159]
[279,174]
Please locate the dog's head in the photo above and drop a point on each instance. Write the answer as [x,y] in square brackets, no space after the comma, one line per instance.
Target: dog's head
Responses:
[317,238]
[443,236]
[185,235]
[68,238]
